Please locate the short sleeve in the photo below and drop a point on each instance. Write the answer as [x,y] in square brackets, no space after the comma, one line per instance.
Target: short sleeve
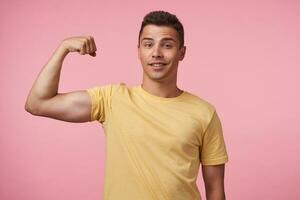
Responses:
[100,101]
[213,150]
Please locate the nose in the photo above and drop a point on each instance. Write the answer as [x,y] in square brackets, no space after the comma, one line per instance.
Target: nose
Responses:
[156,53]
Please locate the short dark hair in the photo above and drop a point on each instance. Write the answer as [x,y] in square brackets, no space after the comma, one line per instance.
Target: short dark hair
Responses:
[163,18]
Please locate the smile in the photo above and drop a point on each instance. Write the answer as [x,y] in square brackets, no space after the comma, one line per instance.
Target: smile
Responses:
[157,64]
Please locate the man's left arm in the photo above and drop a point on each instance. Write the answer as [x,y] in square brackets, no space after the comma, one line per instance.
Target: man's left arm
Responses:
[213,176]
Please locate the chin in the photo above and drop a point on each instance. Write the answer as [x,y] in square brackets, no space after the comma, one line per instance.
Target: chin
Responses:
[156,77]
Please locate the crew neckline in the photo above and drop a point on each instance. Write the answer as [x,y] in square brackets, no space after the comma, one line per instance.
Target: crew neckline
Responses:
[152,96]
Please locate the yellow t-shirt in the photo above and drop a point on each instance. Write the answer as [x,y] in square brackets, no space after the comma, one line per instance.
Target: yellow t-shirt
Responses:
[154,145]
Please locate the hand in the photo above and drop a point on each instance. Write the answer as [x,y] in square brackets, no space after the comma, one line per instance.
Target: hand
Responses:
[82,44]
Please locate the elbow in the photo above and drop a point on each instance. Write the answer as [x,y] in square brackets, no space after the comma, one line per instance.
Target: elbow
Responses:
[30,108]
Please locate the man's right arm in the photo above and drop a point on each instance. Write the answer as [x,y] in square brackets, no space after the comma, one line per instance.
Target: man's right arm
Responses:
[44,99]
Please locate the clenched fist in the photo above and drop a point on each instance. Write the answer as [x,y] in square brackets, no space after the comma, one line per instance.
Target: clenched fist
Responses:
[82,44]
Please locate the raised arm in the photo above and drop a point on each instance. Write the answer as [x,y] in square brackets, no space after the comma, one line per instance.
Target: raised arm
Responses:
[44,99]
[213,176]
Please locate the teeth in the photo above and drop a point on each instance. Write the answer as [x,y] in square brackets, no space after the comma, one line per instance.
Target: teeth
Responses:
[157,65]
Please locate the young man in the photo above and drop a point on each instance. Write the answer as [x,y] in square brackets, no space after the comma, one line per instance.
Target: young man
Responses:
[156,134]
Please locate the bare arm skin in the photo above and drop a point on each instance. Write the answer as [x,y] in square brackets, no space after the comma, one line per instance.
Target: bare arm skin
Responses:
[44,99]
[213,176]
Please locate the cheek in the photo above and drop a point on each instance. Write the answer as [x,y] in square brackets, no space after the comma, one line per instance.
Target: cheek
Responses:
[170,58]
[144,56]
[171,54]
[141,54]
[143,59]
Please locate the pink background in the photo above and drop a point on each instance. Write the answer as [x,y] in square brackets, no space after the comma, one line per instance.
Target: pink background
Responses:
[242,56]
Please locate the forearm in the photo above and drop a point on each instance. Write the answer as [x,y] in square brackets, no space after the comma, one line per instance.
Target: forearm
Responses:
[215,194]
[46,84]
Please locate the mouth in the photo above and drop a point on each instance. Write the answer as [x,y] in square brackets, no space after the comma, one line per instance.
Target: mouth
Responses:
[157,65]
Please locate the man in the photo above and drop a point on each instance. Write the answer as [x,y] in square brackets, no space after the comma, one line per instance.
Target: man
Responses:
[156,134]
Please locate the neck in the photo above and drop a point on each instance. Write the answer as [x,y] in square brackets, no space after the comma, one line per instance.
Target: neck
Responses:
[161,89]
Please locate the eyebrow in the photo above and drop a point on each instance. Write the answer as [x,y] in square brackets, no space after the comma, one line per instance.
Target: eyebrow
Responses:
[166,38]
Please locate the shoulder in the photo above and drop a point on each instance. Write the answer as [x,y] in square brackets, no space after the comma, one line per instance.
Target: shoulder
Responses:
[200,108]
[108,89]
[118,89]
[200,103]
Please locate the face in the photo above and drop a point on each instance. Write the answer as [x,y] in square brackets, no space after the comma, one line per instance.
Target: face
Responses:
[159,53]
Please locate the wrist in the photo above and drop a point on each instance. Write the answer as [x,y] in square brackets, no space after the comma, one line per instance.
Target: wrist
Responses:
[63,49]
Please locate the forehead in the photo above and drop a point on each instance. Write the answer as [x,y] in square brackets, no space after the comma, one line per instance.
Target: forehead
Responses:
[159,32]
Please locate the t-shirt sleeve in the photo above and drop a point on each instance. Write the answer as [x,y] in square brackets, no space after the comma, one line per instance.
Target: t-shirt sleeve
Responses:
[213,151]
[100,101]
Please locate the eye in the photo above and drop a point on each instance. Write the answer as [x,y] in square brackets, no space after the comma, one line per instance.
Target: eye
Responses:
[147,44]
[167,45]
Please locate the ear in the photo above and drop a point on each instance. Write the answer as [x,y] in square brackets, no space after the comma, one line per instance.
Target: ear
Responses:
[182,52]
